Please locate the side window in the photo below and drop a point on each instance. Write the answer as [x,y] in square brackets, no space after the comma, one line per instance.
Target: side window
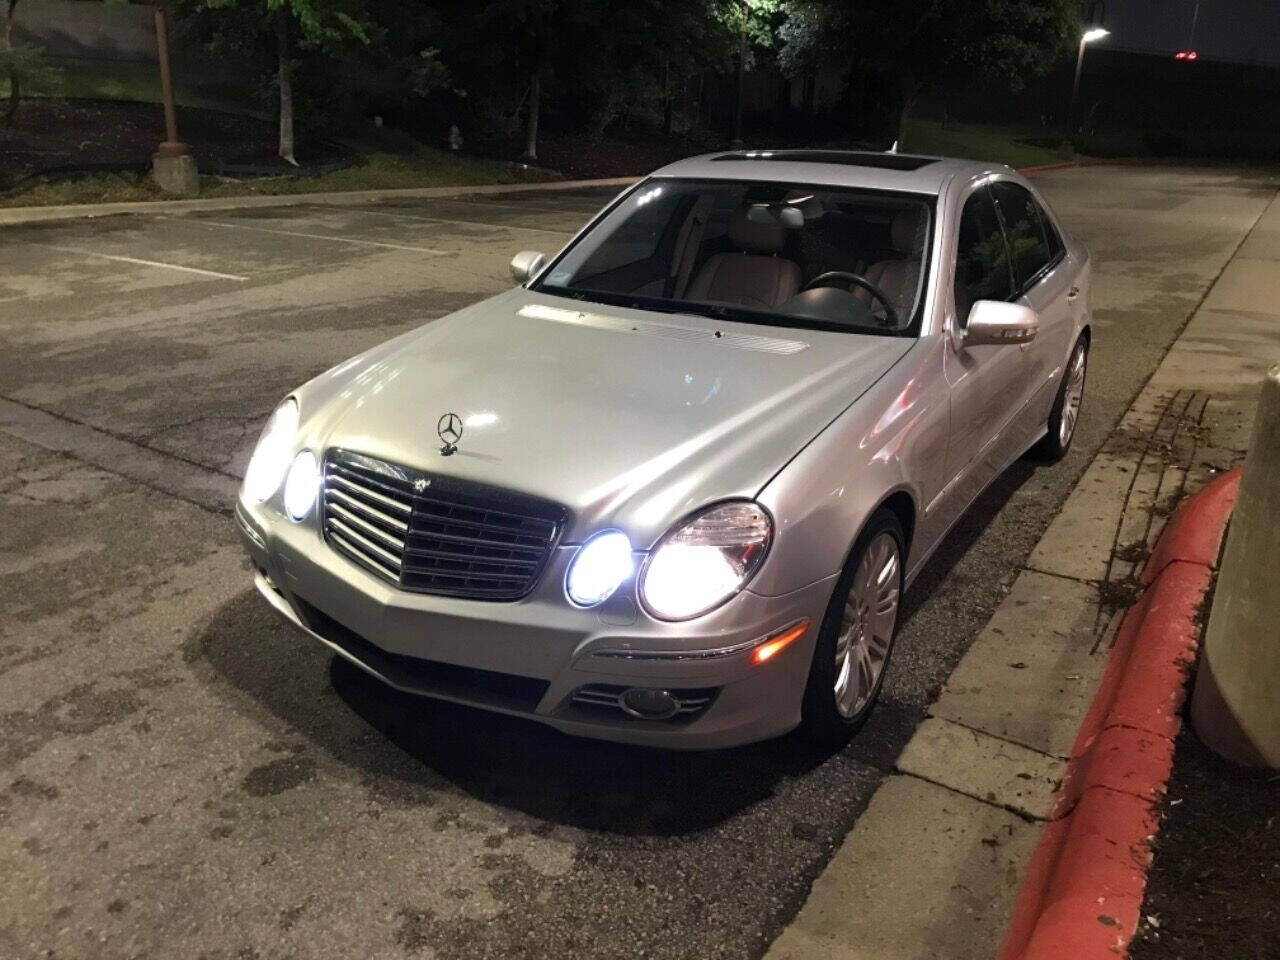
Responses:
[982,259]
[1056,247]
[1028,244]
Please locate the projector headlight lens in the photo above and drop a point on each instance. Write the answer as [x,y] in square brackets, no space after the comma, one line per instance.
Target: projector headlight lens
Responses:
[270,457]
[302,485]
[705,561]
[599,568]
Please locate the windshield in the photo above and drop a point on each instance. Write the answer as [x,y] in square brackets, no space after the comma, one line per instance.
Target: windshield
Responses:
[768,252]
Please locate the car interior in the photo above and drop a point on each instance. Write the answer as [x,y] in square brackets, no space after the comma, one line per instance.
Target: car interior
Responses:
[842,258]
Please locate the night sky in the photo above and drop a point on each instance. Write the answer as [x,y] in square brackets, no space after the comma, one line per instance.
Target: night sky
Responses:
[1240,30]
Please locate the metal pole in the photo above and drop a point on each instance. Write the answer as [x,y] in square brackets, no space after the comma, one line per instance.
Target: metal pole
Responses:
[742,76]
[171,146]
[1235,706]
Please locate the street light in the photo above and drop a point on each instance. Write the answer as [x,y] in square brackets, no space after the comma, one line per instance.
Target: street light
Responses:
[1086,38]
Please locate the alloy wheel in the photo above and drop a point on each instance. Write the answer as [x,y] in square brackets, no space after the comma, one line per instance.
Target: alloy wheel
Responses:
[1073,397]
[866,626]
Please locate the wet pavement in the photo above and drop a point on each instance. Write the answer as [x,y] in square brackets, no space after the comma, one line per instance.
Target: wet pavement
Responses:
[182,775]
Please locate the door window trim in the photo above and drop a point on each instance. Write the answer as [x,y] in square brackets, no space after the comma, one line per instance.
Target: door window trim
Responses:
[1045,225]
[982,186]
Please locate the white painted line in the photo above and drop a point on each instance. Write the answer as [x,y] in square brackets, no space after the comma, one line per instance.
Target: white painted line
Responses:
[320,236]
[142,263]
[524,206]
[469,223]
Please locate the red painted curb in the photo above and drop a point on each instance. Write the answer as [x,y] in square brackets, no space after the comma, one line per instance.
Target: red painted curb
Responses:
[1082,893]
[1194,532]
[1087,162]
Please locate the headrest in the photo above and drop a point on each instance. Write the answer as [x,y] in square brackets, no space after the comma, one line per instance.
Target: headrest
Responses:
[906,232]
[747,234]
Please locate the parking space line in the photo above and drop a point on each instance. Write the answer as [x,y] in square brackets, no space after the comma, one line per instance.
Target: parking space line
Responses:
[320,236]
[469,223]
[143,263]
[525,206]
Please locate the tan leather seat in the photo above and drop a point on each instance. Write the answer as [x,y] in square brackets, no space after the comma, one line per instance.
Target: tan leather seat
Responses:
[898,278]
[756,277]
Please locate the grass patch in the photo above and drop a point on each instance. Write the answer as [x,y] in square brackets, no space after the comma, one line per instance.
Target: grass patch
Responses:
[422,167]
[196,83]
[994,144]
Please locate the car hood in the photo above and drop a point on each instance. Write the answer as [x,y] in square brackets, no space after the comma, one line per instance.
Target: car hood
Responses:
[629,418]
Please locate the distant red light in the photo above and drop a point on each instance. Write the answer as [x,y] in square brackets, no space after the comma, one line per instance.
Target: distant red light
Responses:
[1186,55]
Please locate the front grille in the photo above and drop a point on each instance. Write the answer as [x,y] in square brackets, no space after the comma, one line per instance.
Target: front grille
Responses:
[434,534]
[608,697]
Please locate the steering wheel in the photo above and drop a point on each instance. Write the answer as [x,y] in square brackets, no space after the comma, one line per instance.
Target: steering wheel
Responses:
[823,280]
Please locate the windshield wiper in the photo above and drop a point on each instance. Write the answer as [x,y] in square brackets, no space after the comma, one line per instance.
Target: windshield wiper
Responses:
[715,311]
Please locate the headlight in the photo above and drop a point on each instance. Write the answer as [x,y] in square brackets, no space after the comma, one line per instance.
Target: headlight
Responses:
[599,568]
[271,456]
[705,561]
[301,486]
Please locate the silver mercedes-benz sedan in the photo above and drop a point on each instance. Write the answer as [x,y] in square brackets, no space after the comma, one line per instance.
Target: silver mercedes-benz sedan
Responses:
[669,490]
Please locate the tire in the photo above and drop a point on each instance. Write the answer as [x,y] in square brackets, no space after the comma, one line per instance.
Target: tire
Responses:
[1065,415]
[832,713]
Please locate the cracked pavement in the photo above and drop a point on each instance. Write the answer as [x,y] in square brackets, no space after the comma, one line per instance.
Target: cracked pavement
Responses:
[183,775]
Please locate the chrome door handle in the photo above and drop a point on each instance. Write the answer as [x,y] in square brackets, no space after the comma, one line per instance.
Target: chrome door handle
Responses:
[1073,293]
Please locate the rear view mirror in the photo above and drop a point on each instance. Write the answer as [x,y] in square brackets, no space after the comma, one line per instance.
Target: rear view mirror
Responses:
[526,264]
[997,322]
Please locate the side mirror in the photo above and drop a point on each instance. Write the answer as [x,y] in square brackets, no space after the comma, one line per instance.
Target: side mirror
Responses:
[526,264]
[996,322]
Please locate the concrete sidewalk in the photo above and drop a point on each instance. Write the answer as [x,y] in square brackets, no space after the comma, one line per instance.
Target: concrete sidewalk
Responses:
[78,211]
[931,869]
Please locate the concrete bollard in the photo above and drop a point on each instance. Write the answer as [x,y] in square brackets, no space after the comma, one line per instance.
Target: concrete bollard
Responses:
[1235,706]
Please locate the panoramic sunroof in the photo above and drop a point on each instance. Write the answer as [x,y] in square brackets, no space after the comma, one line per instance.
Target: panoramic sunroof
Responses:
[848,158]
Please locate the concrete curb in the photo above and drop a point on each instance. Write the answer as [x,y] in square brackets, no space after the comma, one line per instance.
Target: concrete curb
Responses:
[76,211]
[1082,893]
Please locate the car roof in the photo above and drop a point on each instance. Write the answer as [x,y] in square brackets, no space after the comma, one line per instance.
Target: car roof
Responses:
[837,168]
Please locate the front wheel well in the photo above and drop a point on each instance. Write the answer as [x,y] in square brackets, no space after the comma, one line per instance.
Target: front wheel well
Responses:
[903,507]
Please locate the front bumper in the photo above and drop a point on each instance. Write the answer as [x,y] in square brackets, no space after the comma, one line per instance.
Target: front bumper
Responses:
[530,657]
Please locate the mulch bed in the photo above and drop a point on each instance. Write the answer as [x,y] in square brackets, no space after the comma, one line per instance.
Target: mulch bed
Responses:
[87,135]
[1214,887]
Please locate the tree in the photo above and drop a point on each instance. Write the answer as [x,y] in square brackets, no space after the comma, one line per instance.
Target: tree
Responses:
[911,45]
[321,25]
[577,64]
[22,63]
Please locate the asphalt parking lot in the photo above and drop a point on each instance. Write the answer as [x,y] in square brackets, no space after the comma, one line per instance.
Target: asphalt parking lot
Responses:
[182,775]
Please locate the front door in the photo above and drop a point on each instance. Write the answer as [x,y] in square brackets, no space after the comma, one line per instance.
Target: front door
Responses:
[986,381]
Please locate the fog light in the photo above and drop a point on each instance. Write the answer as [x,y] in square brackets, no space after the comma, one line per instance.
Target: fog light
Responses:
[649,704]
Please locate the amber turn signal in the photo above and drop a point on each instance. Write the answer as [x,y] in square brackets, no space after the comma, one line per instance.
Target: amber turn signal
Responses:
[778,642]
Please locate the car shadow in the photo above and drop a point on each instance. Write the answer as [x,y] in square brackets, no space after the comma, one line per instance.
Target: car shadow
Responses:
[973,523]
[274,671]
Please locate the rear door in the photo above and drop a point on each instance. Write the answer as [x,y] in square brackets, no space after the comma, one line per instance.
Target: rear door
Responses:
[1043,275]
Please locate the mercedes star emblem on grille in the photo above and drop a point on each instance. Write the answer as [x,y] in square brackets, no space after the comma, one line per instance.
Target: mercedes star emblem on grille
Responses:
[449,427]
